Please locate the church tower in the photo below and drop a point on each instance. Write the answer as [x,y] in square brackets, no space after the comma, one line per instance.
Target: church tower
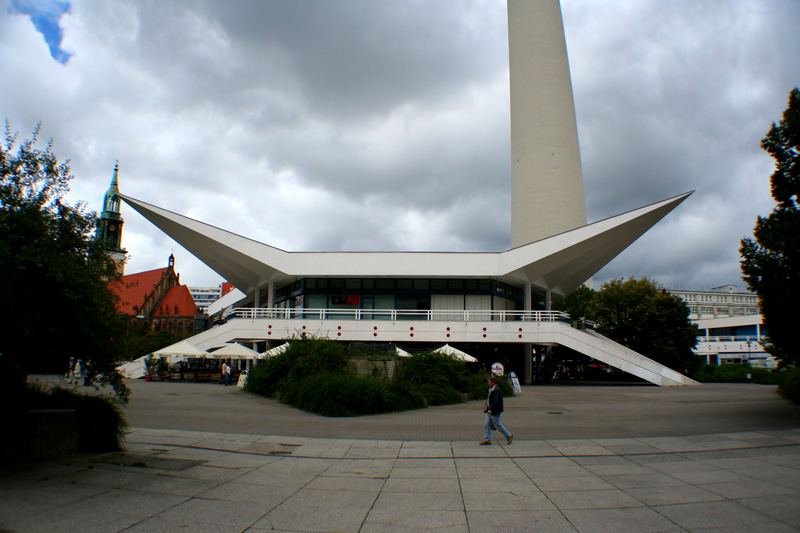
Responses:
[109,227]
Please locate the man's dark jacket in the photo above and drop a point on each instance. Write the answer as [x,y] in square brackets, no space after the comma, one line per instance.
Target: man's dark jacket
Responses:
[495,401]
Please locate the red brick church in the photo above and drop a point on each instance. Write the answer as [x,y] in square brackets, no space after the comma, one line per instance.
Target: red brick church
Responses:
[154,298]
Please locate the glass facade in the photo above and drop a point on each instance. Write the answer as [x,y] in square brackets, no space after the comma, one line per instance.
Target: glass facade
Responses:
[371,294]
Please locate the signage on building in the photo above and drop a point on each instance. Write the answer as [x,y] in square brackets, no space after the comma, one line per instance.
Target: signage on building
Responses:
[498,369]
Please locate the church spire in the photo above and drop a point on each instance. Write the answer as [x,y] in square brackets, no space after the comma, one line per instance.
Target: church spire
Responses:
[109,225]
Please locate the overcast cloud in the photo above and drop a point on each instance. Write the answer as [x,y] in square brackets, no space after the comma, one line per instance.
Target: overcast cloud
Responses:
[383,124]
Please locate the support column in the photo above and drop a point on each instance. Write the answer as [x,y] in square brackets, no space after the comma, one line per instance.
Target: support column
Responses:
[270,294]
[257,296]
[548,300]
[527,377]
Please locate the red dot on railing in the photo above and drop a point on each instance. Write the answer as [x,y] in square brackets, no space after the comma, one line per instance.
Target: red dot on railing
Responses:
[520,330]
[520,336]
[304,327]
[374,334]
[448,328]
[411,328]
[411,334]
[339,334]
[269,333]
[484,335]
[270,326]
[484,329]
[340,327]
[448,334]
[375,328]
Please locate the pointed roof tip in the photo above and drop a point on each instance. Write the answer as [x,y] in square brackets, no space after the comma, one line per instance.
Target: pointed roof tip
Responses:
[115,174]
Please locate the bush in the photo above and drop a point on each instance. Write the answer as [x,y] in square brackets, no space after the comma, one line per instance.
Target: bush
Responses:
[762,376]
[101,424]
[342,395]
[790,385]
[723,374]
[316,375]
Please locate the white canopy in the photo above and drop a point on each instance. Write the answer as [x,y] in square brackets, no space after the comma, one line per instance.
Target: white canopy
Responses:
[235,351]
[401,352]
[276,350]
[455,353]
[179,351]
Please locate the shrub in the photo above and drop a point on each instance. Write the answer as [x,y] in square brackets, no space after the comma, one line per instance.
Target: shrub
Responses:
[723,374]
[101,424]
[316,375]
[762,376]
[342,395]
[790,385]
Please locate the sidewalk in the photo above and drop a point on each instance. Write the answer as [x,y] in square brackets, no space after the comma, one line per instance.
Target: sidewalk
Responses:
[179,480]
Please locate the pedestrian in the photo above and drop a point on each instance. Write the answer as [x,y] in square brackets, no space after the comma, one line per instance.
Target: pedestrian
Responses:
[494,408]
[226,371]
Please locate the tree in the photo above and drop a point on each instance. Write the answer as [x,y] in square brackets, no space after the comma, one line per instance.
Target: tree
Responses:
[771,263]
[53,276]
[578,304]
[646,318]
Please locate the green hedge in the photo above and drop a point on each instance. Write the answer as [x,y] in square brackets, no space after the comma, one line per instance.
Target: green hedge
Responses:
[790,385]
[315,375]
[101,425]
[737,374]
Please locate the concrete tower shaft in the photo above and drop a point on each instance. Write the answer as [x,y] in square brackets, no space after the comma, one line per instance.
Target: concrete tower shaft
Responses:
[547,195]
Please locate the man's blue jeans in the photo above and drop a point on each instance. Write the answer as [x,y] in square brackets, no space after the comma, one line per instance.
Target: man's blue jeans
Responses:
[487,426]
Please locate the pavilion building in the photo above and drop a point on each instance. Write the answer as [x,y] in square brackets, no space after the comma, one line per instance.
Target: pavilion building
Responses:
[495,304]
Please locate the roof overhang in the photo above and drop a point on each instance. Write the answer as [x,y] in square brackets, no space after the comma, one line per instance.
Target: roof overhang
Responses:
[559,263]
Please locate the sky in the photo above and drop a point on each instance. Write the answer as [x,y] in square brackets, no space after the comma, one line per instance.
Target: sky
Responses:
[376,125]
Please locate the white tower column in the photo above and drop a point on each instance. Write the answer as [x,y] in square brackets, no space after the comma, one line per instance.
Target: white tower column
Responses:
[547,195]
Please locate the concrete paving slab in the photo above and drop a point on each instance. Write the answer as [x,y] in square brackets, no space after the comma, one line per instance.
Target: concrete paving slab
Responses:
[629,520]
[627,481]
[319,510]
[674,494]
[356,484]
[507,501]
[414,485]
[495,484]
[551,467]
[575,483]
[369,468]
[783,508]
[511,521]
[404,520]
[265,497]
[211,514]
[593,499]
[746,489]
[714,514]
[426,449]
[579,447]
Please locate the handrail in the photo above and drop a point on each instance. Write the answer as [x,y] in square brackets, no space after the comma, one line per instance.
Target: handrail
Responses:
[460,315]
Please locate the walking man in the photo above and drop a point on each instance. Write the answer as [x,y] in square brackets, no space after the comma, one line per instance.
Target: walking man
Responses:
[494,408]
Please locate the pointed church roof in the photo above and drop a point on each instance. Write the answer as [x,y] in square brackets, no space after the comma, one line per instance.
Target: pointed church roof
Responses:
[132,289]
[176,302]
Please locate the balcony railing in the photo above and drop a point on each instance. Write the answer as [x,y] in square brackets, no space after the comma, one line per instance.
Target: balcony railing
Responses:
[404,314]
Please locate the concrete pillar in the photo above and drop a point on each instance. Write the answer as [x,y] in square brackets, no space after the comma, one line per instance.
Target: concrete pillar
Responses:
[547,195]
[527,377]
[257,297]
[270,294]
[548,300]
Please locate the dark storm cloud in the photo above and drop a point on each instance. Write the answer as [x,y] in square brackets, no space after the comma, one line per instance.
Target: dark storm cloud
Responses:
[383,124]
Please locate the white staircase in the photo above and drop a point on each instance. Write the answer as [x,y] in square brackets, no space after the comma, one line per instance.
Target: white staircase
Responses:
[585,341]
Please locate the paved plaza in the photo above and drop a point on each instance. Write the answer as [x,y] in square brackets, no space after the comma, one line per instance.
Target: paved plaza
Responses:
[282,475]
